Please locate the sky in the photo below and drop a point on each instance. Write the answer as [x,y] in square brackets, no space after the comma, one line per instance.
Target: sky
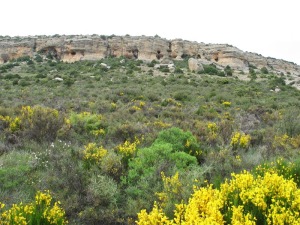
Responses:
[267,27]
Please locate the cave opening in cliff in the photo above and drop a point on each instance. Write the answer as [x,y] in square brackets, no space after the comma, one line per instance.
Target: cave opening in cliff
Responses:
[216,58]
[185,56]
[198,56]
[158,55]
[135,53]
[73,53]
[50,52]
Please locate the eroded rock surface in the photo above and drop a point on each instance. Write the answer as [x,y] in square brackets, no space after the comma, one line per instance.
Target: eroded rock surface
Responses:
[94,47]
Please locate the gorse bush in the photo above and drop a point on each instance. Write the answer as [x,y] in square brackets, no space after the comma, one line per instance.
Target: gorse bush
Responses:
[35,123]
[93,154]
[284,168]
[245,199]
[240,140]
[42,211]
[128,149]
[40,123]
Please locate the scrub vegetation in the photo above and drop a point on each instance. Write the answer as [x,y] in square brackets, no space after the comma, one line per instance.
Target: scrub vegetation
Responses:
[126,143]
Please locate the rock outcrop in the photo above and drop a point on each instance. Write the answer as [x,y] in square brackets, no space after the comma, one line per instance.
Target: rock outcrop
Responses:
[195,65]
[94,47]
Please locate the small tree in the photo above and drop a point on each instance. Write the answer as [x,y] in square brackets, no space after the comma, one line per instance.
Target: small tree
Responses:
[228,70]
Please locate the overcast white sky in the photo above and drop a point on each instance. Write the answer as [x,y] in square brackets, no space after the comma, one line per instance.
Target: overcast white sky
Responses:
[267,27]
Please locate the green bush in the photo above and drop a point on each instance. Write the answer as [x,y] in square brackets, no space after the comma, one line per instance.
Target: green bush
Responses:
[210,69]
[29,62]
[178,70]
[152,63]
[165,70]
[23,59]
[252,72]
[277,81]
[264,70]
[85,122]
[38,58]
[180,141]
[12,76]
[290,123]
[228,71]
[221,73]
[144,172]
[68,82]
[182,96]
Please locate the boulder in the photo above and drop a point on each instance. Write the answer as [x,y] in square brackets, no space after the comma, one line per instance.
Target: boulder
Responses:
[195,65]
[58,79]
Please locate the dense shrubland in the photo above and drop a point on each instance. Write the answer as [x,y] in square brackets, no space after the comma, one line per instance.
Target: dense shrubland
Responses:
[135,143]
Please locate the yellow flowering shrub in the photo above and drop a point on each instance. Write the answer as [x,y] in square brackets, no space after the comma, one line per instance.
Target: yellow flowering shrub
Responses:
[289,170]
[295,141]
[226,104]
[263,197]
[135,108]
[40,123]
[171,101]
[93,154]
[99,132]
[13,124]
[142,104]
[212,127]
[286,142]
[238,217]
[128,148]
[36,123]
[240,140]
[172,189]
[155,217]
[42,211]
[281,141]
[245,199]
[161,124]
[5,119]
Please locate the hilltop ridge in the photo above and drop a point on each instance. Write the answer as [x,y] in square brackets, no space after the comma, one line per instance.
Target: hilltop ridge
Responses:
[71,48]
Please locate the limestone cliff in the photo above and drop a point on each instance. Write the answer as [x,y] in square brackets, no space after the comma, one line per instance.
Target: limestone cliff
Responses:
[94,47]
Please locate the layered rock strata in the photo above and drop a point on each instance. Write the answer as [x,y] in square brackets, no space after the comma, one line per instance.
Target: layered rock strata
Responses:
[94,47]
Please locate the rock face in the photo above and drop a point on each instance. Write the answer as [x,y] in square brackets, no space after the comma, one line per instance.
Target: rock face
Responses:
[94,47]
[195,65]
